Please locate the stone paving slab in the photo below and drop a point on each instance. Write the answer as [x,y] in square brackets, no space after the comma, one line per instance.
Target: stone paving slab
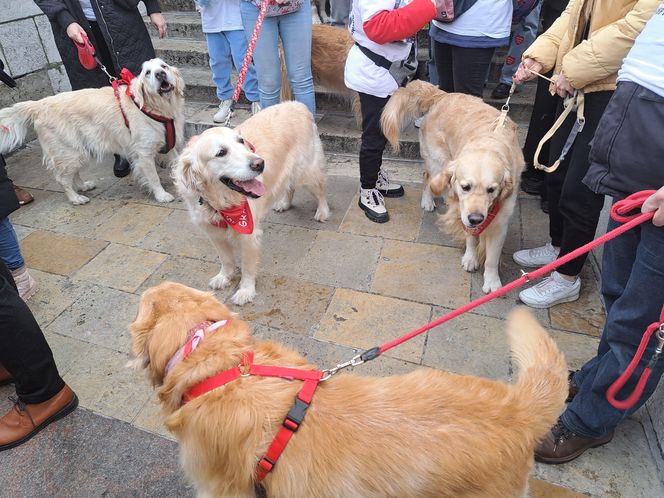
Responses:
[59,253]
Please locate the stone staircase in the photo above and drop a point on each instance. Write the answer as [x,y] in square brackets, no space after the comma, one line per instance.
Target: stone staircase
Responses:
[186,48]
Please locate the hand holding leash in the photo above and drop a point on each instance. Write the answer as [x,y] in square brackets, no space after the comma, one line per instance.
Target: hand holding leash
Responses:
[655,203]
[527,71]
[76,33]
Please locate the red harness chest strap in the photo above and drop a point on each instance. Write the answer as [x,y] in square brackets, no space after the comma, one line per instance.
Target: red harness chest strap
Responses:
[476,231]
[295,415]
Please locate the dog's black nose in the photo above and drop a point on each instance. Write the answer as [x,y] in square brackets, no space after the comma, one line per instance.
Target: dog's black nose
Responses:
[475,218]
[160,75]
[257,165]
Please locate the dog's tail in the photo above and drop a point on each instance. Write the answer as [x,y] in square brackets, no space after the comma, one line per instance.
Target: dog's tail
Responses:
[15,122]
[405,104]
[539,394]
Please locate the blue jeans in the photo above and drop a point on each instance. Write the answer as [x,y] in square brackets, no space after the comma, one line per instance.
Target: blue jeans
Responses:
[294,29]
[10,252]
[633,293]
[224,47]
[523,37]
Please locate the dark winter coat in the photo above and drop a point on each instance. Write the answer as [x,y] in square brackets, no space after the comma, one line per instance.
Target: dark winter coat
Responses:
[8,201]
[123,28]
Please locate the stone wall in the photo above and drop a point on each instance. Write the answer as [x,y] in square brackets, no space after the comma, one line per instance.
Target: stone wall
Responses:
[29,53]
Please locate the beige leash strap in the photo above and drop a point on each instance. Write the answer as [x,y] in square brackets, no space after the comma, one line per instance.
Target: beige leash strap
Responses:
[572,103]
[500,122]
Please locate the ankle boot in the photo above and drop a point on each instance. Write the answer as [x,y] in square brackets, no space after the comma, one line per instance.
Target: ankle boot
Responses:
[25,284]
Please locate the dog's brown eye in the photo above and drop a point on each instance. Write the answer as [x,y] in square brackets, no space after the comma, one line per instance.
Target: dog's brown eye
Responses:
[222,152]
[490,190]
[465,188]
[147,73]
[163,66]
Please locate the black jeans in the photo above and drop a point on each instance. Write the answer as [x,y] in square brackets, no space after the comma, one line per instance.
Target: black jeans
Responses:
[24,351]
[462,70]
[373,140]
[102,49]
[574,209]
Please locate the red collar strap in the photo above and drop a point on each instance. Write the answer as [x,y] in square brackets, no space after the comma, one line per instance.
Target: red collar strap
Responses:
[476,231]
[194,337]
[295,415]
[126,78]
[239,218]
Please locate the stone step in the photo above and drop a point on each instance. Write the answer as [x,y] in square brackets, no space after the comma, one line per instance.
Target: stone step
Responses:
[181,24]
[171,5]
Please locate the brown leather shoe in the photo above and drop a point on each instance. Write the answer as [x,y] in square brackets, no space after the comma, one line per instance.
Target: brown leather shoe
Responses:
[23,196]
[5,376]
[560,445]
[24,421]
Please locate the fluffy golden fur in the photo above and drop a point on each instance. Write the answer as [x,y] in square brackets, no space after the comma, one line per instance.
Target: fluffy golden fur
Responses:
[428,433]
[465,156]
[74,127]
[329,48]
[286,139]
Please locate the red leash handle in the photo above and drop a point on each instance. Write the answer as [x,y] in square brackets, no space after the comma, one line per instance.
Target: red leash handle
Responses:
[620,209]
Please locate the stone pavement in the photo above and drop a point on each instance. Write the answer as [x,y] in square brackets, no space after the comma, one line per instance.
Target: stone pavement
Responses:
[325,289]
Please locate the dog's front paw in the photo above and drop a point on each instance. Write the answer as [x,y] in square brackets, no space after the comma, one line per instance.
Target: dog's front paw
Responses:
[469,262]
[164,197]
[428,205]
[87,186]
[78,200]
[243,296]
[219,281]
[322,214]
[491,285]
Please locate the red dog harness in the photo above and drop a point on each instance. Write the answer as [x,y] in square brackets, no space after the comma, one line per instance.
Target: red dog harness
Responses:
[476,231]
[247,368]
[169,134]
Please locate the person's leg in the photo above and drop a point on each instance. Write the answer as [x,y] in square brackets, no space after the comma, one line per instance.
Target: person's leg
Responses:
[579,207]
[10,252]
[266,53]
[523,36]
[219,50]
[339,12]
[431,64]
[443,60]
[470,67]
[295,33]
[238,46]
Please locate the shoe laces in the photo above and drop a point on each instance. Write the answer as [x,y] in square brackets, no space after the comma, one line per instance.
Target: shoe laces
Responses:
[544,250]
[561,433]
[383,177]
[20,407]
[549,285]
[375,198]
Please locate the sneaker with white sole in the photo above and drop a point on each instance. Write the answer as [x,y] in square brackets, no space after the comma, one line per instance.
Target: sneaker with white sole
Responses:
[25,284]
[224,111]
[538,256]
[386,187]
[551,291]
[373,204]
[256,107]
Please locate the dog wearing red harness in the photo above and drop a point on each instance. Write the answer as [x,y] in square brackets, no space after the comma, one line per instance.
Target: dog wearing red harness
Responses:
[229,179]
[138,118]
[247,412]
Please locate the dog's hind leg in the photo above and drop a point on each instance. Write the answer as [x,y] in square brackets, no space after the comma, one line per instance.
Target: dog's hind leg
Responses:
[65,169]
[315,182]
[250,254]
[83,186]
[284,203]
[148,175]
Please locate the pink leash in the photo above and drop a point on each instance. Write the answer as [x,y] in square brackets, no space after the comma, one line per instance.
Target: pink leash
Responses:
[619,213]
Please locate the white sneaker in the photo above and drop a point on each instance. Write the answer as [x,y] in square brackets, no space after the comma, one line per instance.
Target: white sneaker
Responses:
[25,284]
[373,204]
[255,107]
[386,187]
[224,111]
[418,122]
[539,256]
[550,291]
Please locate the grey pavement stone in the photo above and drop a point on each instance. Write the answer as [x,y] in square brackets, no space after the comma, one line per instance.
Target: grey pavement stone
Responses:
[274,259]
[11,10]
[33,86]
[66,351]
[46,35]
[22,47]
[578,348]
[59,80]
[22,231]
[430,233]
[178,236]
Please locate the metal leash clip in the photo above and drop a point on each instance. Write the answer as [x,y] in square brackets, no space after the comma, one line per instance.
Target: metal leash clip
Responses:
[353,362]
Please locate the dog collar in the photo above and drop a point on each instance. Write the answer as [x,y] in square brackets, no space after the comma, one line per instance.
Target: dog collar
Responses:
[476,231]
[239,218]
[194,337]
[126,78]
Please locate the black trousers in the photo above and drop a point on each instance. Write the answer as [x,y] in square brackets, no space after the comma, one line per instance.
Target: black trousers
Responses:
[574,209]
[462,70]
[102,49]
[373,141]
[24,351]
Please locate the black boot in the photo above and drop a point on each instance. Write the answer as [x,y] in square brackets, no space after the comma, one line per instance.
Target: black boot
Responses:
[121,167]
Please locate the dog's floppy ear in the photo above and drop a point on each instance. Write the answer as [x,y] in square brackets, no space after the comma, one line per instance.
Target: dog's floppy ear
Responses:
[183,172]
[179,82]
[138,91]
[507,185]
[442,180]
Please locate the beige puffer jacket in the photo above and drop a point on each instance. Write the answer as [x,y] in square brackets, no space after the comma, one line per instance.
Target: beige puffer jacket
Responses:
[592,64]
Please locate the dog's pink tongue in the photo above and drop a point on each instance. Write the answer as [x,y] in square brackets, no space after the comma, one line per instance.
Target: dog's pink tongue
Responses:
[254,186]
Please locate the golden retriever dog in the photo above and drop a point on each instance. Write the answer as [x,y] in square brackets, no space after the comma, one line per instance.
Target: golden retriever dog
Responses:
[75,127]
[467,155]
[261,161]
[329,48]
[428,433]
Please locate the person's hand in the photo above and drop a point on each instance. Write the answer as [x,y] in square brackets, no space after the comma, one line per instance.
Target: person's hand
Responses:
[159,23]
[76,33]
[523,72]
[655,203]
[563,87]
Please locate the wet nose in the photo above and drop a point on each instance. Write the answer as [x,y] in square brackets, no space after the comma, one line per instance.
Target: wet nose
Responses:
[160,75]
[475,218]
[257,165]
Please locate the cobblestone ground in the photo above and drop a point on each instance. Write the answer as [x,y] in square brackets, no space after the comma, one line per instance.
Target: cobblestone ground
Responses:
[324,289]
